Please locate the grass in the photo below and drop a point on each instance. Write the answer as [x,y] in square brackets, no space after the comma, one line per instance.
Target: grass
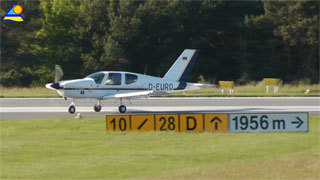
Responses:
[17,92]
[63,148]
[257,90]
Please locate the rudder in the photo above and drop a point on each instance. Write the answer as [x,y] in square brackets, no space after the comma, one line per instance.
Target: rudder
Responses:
[181,69]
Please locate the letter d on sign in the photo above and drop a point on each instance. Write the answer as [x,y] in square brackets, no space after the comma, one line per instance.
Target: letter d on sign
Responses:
[191,123]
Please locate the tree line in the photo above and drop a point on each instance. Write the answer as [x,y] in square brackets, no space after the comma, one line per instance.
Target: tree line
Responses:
[238,40]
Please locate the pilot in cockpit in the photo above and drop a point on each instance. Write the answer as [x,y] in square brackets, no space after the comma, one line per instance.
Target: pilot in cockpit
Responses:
[109,82]
[114,79]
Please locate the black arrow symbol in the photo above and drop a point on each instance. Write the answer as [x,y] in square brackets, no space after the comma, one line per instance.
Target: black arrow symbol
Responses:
[216,124]
[215,119]
[299,122]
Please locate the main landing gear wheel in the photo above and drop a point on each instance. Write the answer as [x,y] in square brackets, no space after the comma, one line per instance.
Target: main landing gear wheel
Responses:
[122,109]
[72,109]
[97,108]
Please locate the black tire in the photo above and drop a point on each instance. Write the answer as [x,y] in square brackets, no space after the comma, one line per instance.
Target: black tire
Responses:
[97,108]
[72,109]
[122,109]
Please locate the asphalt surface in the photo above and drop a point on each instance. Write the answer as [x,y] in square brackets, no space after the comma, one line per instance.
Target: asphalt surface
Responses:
[31,108]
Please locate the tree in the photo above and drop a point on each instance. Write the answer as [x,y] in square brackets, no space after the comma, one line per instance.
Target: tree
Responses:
[56,43]
[240,41]
[17,58]
[291,31]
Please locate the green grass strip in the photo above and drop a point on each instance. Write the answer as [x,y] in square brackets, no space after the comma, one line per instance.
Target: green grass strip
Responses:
[66,148]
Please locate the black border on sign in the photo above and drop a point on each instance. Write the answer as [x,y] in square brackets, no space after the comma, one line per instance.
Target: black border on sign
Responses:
[179,129]
[130,122]
[154,122]
[308,121]
[229,126]
[204,126]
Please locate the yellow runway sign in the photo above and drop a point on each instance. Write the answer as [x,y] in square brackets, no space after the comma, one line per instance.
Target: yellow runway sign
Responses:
[191,122]
[118,123]
[168,122]
[210,122]
[142,123]
[216,122]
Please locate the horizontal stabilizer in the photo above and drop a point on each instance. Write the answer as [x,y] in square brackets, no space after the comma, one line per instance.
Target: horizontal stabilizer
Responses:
[195,86]
[203,85]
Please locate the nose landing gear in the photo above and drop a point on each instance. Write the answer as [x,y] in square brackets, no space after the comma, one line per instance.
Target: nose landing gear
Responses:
[72,108]
[97,107]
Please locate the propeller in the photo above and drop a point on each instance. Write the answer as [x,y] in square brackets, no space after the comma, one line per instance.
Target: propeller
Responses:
[58,73]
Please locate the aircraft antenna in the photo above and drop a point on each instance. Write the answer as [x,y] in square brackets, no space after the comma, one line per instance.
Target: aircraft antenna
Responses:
[145,69]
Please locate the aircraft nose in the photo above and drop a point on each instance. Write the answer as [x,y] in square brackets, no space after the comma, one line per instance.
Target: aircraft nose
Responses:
[54,86]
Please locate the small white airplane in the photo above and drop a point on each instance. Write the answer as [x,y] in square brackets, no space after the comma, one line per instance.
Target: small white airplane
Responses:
[120,85]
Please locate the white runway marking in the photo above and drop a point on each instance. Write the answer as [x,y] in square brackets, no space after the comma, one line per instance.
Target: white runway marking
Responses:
[166,109]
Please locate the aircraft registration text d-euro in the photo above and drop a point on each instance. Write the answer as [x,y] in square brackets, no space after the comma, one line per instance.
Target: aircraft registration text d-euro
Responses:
[161,86]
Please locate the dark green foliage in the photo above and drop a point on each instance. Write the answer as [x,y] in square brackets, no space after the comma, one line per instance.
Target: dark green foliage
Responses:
[290,31]
[17,39]
[240,41]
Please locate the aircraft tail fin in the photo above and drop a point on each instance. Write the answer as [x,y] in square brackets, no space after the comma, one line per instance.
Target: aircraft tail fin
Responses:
[181,69]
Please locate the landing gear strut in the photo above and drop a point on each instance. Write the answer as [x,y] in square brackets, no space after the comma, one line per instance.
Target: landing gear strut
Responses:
[97,107]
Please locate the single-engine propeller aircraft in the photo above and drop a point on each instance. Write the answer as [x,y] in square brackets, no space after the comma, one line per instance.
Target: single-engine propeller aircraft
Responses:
[126,85]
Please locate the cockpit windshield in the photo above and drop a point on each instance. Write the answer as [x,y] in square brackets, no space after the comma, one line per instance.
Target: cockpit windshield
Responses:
[97,77]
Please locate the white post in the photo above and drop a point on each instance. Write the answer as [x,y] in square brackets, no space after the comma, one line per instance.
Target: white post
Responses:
[267,88]
[222,91]
[275,89]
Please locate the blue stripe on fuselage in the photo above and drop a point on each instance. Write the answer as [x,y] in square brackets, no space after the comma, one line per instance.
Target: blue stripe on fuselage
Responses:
[105,88]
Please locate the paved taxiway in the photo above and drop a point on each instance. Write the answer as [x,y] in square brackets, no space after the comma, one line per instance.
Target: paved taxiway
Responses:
[30,108]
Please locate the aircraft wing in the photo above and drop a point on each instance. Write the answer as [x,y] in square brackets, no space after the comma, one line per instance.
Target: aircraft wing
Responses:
[129,95]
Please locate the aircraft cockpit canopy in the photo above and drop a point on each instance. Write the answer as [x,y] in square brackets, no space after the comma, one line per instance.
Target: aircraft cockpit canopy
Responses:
[131,78]
[114,79]
[97,77]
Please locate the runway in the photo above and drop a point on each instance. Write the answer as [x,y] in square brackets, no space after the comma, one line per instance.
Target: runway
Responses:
[31,108]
